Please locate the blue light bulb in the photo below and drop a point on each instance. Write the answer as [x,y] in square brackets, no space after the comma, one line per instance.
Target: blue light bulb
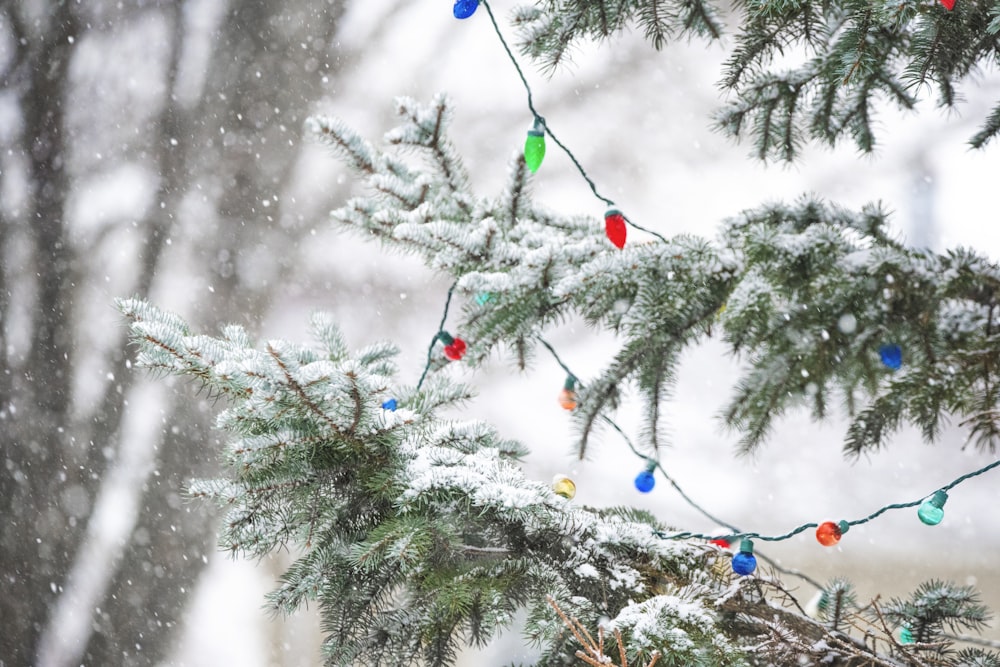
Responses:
[645,481]
[390,405]
[465,8]
[892,356]
[744,562]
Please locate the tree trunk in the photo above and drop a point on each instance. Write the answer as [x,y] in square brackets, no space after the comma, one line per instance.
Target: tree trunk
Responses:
[37,542]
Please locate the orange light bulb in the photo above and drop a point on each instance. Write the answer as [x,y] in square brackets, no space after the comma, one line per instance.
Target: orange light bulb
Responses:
[567,399]
[829,533]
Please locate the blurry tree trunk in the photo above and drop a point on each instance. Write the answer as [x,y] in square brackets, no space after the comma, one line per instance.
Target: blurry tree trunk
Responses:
[165,551]
[254,76]
[43,459]
[263,75]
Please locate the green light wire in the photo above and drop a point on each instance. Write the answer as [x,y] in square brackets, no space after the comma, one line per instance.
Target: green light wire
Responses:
[690,501]
[807,526]
[430,348]
[737,534]
[548,130]
[628,441]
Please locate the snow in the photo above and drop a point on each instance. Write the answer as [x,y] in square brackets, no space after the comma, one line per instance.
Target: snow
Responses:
[113,519]
[483,475]
[645,620]
[649,147]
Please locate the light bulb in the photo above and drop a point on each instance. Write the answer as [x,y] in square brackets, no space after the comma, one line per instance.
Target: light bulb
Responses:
[465,8]
[744,562]
[390,405]
[823,603]
[614,227]
[891,355]
[564,486]
[454,347]
[829,533]
[645,481]
[931,511]
[534,145]
[567,397]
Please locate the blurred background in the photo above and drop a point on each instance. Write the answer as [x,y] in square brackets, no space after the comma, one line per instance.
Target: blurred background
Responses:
[155,147]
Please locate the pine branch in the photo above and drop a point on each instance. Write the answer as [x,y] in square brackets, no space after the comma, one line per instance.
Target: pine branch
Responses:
[853,52]
[802,270]
[550,28]
[655,19]
[593,653]
[990,129]
[415,532]
[656,390]
[936,607]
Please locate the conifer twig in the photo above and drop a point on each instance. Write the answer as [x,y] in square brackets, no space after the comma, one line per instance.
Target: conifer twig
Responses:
[300,392]
[969,639]
[594,654]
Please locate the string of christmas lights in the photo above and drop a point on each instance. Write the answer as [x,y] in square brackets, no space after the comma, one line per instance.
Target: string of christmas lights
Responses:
[560,483]
[828,533]
[649,461]
[454,347]
[930,508]
[534,148]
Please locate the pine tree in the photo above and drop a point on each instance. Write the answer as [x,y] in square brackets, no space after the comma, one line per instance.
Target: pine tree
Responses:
[419,534]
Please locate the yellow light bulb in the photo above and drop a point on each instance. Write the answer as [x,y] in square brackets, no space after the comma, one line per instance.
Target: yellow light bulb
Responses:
[564,486]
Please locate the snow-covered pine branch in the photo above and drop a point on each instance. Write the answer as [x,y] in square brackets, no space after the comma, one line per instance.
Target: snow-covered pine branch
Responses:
[414,534]
[799,71]
[807,293]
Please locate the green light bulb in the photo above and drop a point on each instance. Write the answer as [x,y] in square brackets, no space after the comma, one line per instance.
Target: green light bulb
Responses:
[534,145]
[931,511]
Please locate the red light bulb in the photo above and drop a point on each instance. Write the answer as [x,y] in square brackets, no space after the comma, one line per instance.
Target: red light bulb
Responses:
[614,227]
[948,4]
[454,348]
[829,533]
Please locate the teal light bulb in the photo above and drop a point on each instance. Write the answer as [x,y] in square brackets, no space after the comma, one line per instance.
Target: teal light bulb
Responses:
[931,511]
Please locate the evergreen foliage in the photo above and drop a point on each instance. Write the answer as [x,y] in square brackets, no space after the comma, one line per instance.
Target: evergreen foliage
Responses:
[806,292]
[850,54]
[837,602]
[417,535]
[937,606]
